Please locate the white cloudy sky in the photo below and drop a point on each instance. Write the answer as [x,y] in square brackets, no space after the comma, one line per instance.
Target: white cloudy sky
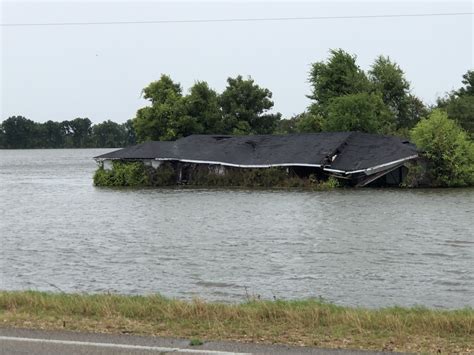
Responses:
[98,71]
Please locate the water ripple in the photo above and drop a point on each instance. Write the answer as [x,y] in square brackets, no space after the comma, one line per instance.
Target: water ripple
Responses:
[365,247]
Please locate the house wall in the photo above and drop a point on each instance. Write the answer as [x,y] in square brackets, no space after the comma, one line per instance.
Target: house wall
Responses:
[219,170]
[393,178]
[107,164]
[306,171]
[156,164]
[152,162]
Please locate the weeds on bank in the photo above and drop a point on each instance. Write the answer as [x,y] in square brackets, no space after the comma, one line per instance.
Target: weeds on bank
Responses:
[307,322]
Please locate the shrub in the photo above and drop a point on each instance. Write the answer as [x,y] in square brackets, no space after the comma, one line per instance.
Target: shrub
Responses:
[137,174]
[122,174]
[164,175]
[329,184]
[449,151]
[267,177]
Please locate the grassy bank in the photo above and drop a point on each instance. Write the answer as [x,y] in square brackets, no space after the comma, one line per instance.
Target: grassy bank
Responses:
[309,322]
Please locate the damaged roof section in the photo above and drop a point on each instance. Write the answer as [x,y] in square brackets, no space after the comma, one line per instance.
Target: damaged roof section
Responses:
[261,150]
[366,152]
[335,152]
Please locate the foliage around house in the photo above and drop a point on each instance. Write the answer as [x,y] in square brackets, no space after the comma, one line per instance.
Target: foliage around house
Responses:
[137,174]
[448,149]
[122,174]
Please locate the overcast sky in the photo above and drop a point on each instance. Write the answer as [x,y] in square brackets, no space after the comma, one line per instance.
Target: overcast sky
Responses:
[98,71]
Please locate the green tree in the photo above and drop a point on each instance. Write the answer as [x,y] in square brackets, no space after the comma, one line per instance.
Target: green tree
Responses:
[305,122]
[338,76]
[358,112]
[448,149]
[468,81]
[80,131]
[161,120]
[412,110]
[287,125]
[3,137]
[183,125]
[67,133]
[53,134]
[308,123]
[245,107]
[109,134]
[130,138]
[461,109]
[202,104]
[19,132]
[241,109]
[388,79]
[459,104]
[162,91]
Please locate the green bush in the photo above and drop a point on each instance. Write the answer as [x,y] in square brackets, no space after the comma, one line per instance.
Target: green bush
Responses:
[138,174]
[122,174]
[255,178]
[328,184]
[164,175]
[447,147]
[269,177]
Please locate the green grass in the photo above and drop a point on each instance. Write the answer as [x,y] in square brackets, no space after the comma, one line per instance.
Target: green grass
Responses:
[306,322]
[196,342]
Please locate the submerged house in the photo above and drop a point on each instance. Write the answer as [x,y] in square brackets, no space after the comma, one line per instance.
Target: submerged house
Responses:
[358,158]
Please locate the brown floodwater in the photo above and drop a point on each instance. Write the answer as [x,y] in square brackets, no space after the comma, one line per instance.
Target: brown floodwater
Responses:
[365,247]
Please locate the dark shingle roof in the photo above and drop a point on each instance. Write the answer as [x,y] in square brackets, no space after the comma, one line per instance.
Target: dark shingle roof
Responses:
[147,150]
[362,151]
[296,149]
[354,150]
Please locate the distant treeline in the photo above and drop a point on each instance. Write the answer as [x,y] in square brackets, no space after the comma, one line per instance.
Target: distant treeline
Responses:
[18,132]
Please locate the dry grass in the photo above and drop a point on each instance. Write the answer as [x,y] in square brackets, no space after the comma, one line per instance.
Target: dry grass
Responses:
[309,322]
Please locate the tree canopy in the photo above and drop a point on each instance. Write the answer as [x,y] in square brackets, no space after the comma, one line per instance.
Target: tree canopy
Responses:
[448,148]
[339,76]
[340,86]
[245,107]
[388,79]
[160,120]
[18,132]
[358,112]
[468,81]
[459,104]
[202,104]
[242,108]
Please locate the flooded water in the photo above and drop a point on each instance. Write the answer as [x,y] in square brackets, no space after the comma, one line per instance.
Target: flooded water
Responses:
[353,247]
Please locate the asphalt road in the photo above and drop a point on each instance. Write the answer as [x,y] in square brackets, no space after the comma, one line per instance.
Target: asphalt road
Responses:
[23,341]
